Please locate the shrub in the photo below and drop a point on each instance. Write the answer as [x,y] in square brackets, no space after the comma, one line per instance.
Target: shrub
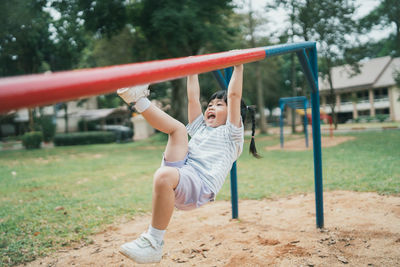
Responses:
[382,117]
[84,138]
[48,128]
[84,126]
[32,140]
[369,118]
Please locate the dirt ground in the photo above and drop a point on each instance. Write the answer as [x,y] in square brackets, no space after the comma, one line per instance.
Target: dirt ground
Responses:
[300,143]
[361,229]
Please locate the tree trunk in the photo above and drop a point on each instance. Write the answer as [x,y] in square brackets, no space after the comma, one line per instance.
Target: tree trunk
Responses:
[179,101]
[260,99]
[293,78]
[333,101]
[66,116]
[259,88]
[31,120]
[293,67]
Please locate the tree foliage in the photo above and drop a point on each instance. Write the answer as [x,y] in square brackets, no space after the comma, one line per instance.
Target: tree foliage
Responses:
[177,28]
[25,44]
[105,17]
[184,28]
[330,24]
[384,16]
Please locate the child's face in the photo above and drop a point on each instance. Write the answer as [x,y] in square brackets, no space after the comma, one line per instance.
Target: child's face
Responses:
[216,113]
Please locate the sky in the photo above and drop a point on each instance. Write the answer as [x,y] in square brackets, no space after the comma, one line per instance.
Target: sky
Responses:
[278,19]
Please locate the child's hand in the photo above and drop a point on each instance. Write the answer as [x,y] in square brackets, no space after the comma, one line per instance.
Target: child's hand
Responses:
[192,76]
[239,67]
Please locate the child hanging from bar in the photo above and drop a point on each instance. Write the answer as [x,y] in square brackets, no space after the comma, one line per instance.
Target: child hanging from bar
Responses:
[191,173]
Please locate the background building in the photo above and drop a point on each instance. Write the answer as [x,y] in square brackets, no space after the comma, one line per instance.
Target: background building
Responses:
[371,93]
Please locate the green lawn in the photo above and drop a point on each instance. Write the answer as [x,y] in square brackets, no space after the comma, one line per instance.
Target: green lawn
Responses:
[57,197]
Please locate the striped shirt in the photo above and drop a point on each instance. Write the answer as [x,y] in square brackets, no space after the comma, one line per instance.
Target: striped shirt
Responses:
[212,151]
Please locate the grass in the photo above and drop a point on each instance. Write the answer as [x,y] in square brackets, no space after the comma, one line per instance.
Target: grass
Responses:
[52,198]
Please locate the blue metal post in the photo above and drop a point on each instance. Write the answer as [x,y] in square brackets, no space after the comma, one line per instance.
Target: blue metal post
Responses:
[306,122]
[282,107]
[220,79]
[234,191]
[224,82]
[296,102]
[311,71]
[228,74]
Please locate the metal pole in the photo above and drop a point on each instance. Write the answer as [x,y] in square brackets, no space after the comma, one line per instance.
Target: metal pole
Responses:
[281,118]
[319,200]
[228,74]
[224,82]
[234,190]
[311,71]
[220,79]
[305,121]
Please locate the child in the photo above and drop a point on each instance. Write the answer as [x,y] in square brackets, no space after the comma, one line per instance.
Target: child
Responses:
[191,173]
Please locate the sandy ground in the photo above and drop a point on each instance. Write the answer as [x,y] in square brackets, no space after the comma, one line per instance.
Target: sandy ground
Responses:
[300,143]
[361,229]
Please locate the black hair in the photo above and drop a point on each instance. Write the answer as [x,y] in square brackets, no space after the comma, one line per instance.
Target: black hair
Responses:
[223,94]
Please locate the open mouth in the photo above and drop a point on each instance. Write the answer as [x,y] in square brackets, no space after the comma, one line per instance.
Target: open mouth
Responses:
[211,116]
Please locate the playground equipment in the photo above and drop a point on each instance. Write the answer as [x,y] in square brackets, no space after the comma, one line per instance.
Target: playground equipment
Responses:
[43,89]
[301,105]
[297,102]
[323,116]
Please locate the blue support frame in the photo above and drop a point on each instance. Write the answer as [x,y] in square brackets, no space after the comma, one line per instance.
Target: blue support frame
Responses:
[223,81]
[297,102]
[310,68]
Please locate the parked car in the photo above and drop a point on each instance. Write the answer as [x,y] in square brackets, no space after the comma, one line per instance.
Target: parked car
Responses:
[122,133]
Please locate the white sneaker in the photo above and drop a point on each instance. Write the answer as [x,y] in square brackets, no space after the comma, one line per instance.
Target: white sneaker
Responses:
[145,249]
[133,94]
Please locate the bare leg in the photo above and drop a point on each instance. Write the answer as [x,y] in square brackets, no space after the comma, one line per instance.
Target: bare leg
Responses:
[166,178]
[165,181]
[177,146]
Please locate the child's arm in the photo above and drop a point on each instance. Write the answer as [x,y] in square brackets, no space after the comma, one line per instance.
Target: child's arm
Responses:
[235,96]
[193,92]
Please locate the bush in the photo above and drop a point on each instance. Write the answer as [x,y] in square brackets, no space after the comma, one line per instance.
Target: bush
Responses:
[84,126]
[32,140]
[382,117]
[84,138]
[369,118]
[48,128]
[122,133]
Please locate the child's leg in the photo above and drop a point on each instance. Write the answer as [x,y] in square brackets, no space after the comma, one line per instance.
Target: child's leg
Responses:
[166,178]
[165,181]
[177,146]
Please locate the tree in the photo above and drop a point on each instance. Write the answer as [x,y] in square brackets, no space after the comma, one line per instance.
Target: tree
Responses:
[262,78]
[330,23]
[24,37]
[293,31]
[25,44]
[252,24]
[121,48]
[386,14]
[182,28]
[105,17]
[69,35]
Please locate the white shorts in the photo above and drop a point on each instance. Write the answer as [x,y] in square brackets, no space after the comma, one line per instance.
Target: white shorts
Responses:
[191,191]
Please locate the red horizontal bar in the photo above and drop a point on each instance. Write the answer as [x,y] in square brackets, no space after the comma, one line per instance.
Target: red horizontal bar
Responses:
[44,89]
